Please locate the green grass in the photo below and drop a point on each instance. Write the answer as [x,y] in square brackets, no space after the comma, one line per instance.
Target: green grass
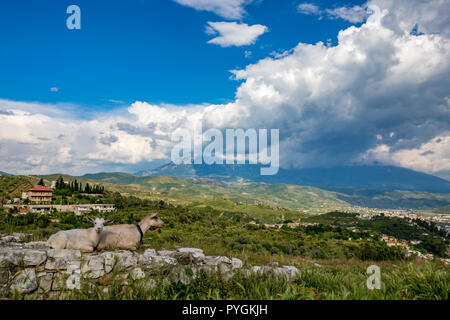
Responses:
[12,187]
[332,266]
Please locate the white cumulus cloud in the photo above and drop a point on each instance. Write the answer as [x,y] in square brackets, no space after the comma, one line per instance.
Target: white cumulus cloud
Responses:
[234,34]
[353,14]
[228,9]
[309,9]
[380,94]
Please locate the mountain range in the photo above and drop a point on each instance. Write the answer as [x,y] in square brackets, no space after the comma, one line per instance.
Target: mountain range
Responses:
[341,179]
[309,190]
[377,187]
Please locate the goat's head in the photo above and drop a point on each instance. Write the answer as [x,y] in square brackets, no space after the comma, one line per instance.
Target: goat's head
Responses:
[155,221]
[99,223]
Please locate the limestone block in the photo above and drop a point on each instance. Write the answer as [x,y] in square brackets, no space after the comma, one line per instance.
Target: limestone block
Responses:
[93,266]
[137,274]
[45,281]
[61,259]
[126,260]
[24,282]
[189,256]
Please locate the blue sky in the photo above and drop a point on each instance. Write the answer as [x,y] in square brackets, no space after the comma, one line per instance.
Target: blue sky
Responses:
[345,82]
[155,51]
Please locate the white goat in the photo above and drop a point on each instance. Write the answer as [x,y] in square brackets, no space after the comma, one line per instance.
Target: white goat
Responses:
[79,239]
[127,236]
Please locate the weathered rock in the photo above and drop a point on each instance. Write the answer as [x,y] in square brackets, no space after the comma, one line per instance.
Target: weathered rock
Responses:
[150,252]
[161,261]
[69,279]
[10,256]
[125,260]
[93,266]
[34,257]
[15,238]
[291,273]
[109,260]
[236,263]
[224,265]
[61,259]
[145,261]
[54,295]
[21,257]
[74,279]
[58,282]
[37,245]
[169,253]
[7,239]
[55,269]
[45,281]
[22,237]
[137,274]
[189,256]
[24,282]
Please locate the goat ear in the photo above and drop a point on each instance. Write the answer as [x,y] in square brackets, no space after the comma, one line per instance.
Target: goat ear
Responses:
[89,219]
[154,215]
[109,221]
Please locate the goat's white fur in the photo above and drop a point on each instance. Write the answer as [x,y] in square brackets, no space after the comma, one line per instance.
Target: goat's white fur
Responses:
[79,239]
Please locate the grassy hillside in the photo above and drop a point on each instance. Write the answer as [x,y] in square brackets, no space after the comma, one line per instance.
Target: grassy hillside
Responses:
[183,191]
[394,199]
[12,187]
[308,199]
[445,209]
[332,265]
[259,198]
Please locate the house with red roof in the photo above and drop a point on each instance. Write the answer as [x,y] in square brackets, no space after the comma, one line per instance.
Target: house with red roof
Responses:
[40,194]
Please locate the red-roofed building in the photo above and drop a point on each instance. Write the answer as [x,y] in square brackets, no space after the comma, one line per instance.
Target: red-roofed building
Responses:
[40,194]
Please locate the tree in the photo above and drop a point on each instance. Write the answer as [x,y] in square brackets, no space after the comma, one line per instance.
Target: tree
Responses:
[41,183]
[60,183]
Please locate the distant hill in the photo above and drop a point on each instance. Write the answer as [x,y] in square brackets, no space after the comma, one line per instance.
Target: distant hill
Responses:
[341,179]
[445,210]
[259,197]
[12,186]
[307,198]
[5,174]
[113,177]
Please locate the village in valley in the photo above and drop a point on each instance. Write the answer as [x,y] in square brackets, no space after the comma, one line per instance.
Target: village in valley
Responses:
[411,218]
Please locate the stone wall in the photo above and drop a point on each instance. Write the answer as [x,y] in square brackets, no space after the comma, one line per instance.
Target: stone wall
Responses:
[30,267]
